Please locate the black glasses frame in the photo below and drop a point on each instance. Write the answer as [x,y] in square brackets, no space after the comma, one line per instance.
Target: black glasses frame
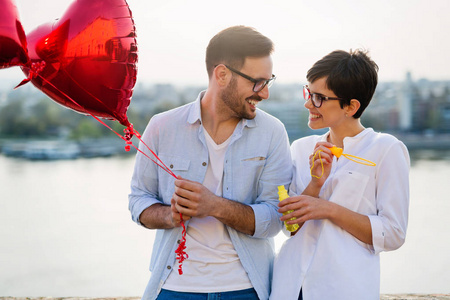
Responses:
[316,99]
[260,83]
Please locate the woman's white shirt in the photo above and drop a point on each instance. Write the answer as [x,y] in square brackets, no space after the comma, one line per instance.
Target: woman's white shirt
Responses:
[322,259]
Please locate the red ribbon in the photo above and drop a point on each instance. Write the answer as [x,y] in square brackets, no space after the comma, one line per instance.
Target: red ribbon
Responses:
[128,135]
[181,254]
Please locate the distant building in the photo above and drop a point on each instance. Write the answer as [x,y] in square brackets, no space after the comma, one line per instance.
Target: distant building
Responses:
[440,105]
[405,103]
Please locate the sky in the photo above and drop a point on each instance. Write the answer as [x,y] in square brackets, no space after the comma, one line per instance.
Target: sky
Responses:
[401,35]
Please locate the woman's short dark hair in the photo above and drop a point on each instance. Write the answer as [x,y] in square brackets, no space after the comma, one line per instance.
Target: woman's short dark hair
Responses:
[232,45]
[350,75]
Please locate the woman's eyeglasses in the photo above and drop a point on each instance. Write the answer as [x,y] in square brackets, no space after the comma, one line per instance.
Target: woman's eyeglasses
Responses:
[316,99]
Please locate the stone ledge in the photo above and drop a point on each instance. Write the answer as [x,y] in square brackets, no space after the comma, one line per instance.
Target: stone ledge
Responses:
[415,297]
[383,297]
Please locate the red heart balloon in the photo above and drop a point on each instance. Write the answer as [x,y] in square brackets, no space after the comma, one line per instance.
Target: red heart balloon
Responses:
[87,60]
[13,43]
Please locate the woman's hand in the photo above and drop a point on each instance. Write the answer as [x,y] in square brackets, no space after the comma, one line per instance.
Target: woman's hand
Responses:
[320,162]
[304,208]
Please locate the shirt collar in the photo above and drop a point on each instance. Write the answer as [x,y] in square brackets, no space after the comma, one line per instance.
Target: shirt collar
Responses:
[195,113]
[355,138]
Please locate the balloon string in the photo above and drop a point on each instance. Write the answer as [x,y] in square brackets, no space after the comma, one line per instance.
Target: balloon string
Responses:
[180,252]
[37,67]
[162,165]
[81,87]
[129,132]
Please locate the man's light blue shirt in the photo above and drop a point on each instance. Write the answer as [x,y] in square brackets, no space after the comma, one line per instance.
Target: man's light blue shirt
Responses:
[256,162]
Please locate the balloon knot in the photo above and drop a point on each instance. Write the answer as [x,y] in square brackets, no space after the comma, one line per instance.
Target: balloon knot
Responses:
[128,133]
[35,68]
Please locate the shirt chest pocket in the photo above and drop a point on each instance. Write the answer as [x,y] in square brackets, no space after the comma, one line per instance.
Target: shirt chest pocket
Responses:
[348,189]
[176,163]
[252,167]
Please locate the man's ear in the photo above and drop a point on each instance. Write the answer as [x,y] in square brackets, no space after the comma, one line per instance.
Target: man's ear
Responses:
[222,75]
[352,108]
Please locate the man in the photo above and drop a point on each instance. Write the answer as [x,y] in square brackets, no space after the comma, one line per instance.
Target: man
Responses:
[229,157]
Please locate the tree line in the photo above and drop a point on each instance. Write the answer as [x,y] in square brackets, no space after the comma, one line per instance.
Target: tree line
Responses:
[41,118]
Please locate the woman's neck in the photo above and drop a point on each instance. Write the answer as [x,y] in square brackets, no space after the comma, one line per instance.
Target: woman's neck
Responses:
[337,135]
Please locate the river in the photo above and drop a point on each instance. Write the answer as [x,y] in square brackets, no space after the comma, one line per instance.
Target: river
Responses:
[65,230]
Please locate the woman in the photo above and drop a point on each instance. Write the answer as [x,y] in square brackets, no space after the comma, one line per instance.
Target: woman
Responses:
[348,212]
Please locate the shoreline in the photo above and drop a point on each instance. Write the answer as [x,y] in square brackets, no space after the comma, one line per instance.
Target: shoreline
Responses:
[107,147]
[424,141]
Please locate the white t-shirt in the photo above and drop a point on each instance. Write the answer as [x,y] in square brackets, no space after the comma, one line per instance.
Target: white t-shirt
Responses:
[213,264]
[322,259]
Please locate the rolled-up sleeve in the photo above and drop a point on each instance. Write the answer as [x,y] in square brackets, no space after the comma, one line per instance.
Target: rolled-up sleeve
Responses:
[267,222]
[392,193]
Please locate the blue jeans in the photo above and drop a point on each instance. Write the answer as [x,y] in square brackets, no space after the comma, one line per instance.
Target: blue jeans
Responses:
[248,294]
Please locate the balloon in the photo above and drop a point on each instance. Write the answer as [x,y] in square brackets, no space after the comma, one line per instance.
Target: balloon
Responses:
[86,61]
[13,44]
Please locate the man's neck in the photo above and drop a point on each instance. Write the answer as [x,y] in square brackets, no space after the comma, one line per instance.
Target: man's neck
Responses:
[216,119]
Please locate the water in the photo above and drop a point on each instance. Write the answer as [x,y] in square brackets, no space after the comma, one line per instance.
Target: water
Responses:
[65,230]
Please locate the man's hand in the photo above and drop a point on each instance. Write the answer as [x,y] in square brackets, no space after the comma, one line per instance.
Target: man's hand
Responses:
[175,215]
[193,199]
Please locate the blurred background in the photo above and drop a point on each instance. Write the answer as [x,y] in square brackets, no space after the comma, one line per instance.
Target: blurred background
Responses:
[65,229]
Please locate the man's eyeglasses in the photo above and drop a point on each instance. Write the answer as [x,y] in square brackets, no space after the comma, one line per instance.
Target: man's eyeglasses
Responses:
[259,84]
[316,99]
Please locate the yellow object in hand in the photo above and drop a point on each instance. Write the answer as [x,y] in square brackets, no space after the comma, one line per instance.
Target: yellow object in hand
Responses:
[282,194]
[338,152]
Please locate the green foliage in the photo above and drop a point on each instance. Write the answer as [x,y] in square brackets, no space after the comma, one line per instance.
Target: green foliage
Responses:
[85,129]
[28,116]
[40,119]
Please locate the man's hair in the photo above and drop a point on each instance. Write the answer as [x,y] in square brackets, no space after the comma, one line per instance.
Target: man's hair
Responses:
[350,75]
[232,45]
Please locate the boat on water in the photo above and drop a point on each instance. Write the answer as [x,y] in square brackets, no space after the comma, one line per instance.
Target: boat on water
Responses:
[42,150]
[62,149]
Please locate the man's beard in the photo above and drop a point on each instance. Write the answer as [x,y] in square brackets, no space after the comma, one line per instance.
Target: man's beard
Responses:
[232,100]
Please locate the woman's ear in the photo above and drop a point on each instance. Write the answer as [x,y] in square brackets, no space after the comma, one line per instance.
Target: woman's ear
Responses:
[352,108]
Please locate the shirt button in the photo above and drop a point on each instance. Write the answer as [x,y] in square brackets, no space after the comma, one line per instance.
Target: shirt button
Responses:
[171,166]
[178,241]
[203,164]
[169,267]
